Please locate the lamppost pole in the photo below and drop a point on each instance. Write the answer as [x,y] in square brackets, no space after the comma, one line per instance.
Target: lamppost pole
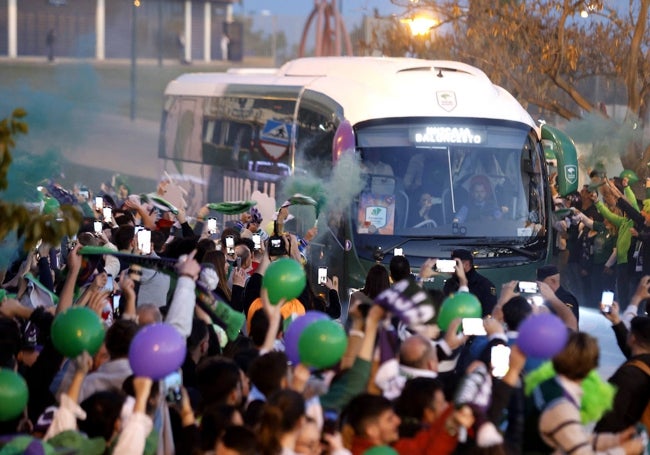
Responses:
[134,8]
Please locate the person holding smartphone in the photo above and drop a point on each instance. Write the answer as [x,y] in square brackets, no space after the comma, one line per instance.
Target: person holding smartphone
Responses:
[477,284]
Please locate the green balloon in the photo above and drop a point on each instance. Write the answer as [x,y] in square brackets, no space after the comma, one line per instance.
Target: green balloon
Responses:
[76,330]
[13,394]
[284,279]
[380,450]
[631,176]
[459,305]
[322,344]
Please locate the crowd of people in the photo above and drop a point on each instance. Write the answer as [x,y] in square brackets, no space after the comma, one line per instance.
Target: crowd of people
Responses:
[396,389]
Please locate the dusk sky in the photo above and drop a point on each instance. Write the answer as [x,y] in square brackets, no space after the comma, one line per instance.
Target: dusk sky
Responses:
[351,8]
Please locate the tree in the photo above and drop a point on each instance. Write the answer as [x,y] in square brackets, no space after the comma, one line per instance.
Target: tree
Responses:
[29,224]
[550,58]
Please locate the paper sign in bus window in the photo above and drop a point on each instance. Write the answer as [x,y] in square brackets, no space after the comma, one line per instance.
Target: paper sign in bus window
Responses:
[376,214]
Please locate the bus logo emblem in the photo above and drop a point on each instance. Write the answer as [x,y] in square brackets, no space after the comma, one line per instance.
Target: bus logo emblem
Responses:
[447,100]
[571,172]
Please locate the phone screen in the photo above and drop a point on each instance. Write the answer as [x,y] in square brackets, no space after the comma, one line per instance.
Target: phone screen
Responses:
[257,240]
[446,265]
[98,227]
[528,287]
[116,302]
[108,214]
[144,241]
[99,203]
[398,252]
[109,283]
[212,225]
[322,275]
[473,326]
[172,387]
[606,300]
[500,360]
[230,244]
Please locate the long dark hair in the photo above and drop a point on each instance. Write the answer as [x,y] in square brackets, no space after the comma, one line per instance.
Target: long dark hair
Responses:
[377,280]
[280,415]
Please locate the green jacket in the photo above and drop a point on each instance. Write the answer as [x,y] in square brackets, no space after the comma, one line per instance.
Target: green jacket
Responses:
[351,383]
[623,224]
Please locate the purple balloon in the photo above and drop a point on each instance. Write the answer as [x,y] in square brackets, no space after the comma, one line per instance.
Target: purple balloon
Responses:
[542,336]
[295,329]
[156,351]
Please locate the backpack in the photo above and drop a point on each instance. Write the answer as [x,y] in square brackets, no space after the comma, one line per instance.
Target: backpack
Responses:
[542,396]
[645,417]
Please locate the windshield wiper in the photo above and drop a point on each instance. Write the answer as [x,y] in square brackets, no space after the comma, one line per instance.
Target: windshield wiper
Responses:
[522,250]
[379,253]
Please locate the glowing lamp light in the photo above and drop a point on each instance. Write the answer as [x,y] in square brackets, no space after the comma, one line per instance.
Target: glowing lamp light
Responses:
[420,25]
[584,13]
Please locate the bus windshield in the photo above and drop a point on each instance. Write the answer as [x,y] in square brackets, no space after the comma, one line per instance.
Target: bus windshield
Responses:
[476,179]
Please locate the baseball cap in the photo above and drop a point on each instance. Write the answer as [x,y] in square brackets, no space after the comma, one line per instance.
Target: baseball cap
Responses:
[463,255]
[546,271]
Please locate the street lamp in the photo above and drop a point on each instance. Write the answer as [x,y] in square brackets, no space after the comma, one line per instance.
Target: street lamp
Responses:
[134,35]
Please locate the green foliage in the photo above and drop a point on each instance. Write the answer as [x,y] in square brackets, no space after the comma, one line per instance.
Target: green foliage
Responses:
[27,223]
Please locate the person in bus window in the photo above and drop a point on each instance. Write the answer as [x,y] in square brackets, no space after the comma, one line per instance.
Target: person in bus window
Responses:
[482,204]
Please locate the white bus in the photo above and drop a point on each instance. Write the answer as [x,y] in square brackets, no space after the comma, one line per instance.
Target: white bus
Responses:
[430,136]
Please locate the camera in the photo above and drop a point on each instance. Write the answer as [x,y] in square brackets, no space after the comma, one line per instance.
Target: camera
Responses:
[445,265]
[276,246]
[606,301]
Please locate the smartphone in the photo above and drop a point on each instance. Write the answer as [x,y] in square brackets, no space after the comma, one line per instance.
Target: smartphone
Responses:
[606,300]
[98,227]
[473,326]
[116,302]
[99,203]
[445,265]
[257,240]
[230,245]
[398,252]
[107,212]
[238,262]
[322,275]
[172,384]
[212,225]
[528,287]
[109,284]
[500,360]
[330,422]
[144,241]
[83,192]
